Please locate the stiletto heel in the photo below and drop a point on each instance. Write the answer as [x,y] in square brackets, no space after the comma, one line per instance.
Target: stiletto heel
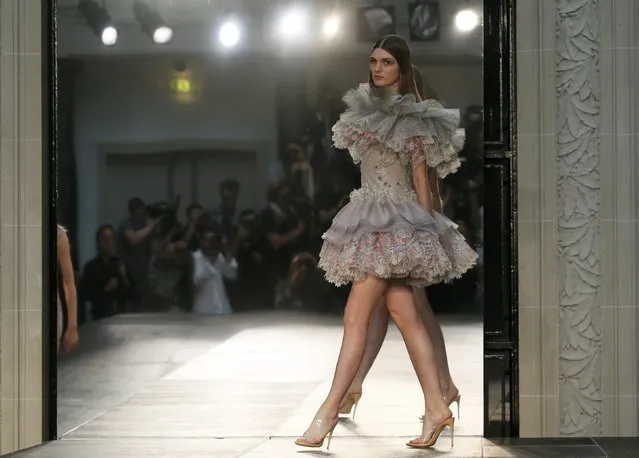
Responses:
[350,403]
[437,430]
[458,401]
[302,442]
[330,436]
[452,432]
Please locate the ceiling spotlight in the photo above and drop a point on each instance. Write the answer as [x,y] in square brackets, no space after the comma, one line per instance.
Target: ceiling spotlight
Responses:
[152,23]
[331,26]
[99,20]
[293,23]
[229,34]
[109,36]
[466,20]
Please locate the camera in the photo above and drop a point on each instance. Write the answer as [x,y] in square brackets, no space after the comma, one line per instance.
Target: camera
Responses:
[168,214]
[249,220]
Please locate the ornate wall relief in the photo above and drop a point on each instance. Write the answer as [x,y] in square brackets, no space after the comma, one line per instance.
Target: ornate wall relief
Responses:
[578,219]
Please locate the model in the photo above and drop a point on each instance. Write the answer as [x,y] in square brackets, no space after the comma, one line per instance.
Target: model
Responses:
[388,239]
[379,320]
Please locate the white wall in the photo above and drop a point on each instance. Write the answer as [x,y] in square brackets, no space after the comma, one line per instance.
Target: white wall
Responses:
[125,104]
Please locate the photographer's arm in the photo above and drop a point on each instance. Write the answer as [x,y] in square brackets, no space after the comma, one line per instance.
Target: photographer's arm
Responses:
[228,267]
[279,240]
[134,238]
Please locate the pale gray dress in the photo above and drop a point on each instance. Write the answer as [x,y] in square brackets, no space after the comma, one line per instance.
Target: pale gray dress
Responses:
[383,231]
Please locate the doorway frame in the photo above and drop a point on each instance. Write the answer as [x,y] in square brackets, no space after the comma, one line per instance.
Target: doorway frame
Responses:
[501,301]
[501,320]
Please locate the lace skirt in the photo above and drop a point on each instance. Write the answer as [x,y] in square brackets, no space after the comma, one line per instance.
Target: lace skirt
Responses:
[394,240]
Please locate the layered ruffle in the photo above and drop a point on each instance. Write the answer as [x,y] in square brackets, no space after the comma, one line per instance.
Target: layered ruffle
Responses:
[393,240]
[422,131]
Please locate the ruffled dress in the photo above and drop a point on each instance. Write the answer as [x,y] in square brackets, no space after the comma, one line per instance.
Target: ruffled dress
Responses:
[383,231]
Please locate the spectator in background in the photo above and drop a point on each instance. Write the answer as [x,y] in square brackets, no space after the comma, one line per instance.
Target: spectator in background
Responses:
[282,229]
[193,212]
[105,281]
[133,246]
[226,214]
[211,264]
[253,283]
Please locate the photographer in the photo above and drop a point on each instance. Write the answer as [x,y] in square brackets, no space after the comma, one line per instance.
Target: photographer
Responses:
[170,260]
[282,229]
[252,285]
[212,263]
[332,196]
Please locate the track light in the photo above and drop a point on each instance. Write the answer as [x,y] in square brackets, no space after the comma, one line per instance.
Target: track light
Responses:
[152,23]
[466,20]
[99,20]
[331,26]
[293,23]
[229,34]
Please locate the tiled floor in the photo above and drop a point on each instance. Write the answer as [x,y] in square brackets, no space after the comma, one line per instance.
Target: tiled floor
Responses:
[246,386]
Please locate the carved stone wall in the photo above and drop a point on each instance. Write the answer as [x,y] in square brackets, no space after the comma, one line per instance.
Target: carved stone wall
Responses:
[578,190]
[578,217]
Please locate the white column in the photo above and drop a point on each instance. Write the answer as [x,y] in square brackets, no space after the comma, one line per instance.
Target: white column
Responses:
[21,225]
[537,218]
[619,59]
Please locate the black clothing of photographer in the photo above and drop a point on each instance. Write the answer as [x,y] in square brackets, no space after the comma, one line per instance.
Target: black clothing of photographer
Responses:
[282,228]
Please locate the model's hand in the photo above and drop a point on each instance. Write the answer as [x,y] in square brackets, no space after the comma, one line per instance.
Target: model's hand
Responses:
[70,341]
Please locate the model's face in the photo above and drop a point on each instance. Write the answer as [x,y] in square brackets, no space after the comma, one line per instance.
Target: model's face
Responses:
[384,69]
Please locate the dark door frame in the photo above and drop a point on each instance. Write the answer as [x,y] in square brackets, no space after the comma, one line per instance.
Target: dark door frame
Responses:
[501,319]
[501,384]
[49,220]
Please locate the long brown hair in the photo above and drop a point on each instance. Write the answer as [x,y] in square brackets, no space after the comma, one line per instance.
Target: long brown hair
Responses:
[397,47]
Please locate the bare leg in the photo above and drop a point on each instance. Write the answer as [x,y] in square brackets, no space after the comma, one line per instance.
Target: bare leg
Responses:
[376,334]
[400,303]
[361,301]
[434,330]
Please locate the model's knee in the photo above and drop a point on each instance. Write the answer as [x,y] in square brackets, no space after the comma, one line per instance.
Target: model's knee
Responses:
[403,314]
[352,319]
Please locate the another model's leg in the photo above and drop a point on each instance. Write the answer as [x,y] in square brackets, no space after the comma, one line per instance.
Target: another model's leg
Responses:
[376,334]
[362,299]
[434,330]
[400,303]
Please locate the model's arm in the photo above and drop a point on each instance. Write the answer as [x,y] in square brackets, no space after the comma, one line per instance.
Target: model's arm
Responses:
[433,181]
[68,280]
[420,184]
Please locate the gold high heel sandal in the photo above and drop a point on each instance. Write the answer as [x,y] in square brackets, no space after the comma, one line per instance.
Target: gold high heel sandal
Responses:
[437,430]
[350,403]
[329,435]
